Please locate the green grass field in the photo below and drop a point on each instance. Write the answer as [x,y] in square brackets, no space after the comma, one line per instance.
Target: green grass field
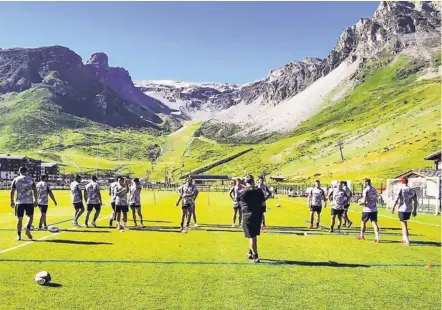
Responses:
[161,268]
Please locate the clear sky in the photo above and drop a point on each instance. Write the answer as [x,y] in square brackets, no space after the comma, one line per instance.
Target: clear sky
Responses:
[232,42]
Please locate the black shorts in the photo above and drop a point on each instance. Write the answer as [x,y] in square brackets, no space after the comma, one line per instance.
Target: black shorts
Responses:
[404,216]
[317,209]
[372,216]
[236,206]
[92,206]
[78,205]
[135,207]
[337,212]
[264,209]
[346,207]
[251,224]
[187,206]
[43,208]
[123,209]
[113,205]
[23,208]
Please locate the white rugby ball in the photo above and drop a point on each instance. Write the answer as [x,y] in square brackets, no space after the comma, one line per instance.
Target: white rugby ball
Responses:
[360,201]
[53,229]
[278,206]
[43,278]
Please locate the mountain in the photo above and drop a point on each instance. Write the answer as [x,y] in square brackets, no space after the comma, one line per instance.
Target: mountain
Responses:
[302,87]
[93,91]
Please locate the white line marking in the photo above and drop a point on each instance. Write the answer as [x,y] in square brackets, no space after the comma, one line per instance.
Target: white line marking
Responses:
[42,238]
[390,217]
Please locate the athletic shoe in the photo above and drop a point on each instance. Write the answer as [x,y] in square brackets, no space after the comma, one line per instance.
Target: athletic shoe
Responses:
[196,225]
[233,225]
[317,225]
[256,260]
[406,244]
[331,230]
[74,223]
[377,241]
[240,225]
[93,224]
[45,228]
[18,238]
[86,225]
[349,224]
[118,226]
[28,233]
[310,226]
[135,225]
[249,256]
[338,231]
[142,225]
[360,237]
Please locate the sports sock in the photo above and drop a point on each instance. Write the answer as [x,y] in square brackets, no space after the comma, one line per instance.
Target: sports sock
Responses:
[405,237]
[376,234]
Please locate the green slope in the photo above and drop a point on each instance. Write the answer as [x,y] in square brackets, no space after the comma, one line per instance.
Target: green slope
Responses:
[387,124]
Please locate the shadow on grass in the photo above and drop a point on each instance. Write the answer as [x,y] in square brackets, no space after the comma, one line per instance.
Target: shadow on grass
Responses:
[86,231]
[75,242]
[416,243]
[313,264]
[53,285]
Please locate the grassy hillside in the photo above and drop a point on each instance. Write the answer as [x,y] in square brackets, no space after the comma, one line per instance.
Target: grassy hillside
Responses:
[387,124]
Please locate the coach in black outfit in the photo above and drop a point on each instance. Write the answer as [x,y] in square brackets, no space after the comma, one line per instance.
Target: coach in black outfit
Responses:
[251,199]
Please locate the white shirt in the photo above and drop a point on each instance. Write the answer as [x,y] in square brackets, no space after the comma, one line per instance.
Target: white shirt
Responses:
[76,192]
[43,190]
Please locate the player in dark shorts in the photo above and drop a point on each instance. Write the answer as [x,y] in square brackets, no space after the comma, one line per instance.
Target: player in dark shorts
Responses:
[188,193]
[369,210]
[113,198]
[407,200]
[338,200]
[77,199]
[315,198]
[267,195]
[252,201]
[236,206]
[348,195]
[135,201]
[121,205]
[92,196]
[44,192]
[25,201]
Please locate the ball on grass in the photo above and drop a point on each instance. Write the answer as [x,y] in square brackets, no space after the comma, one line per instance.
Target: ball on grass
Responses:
[43,278]
[278,206]
[53,229]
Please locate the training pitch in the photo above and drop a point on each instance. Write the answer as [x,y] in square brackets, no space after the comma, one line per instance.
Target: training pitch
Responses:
[160,268]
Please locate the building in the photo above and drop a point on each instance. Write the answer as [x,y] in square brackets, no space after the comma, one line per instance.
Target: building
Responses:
[435,157]
[277,178]
[9,166]
[50,169]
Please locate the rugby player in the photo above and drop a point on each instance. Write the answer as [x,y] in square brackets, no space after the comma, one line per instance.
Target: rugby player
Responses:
[370,210]
[77,199]
[233,193]
[25,201]
[92,196]
[252,202]
[113,198]
[315,198]
[121,205]
[188,193]
[135,200]
[348,195]
[338,199]
[267,195]
[43,193]
[407,200]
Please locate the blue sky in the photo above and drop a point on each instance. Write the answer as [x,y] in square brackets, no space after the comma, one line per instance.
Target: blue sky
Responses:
[232,42]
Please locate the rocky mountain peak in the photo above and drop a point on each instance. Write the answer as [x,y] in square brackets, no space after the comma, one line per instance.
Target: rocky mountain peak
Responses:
[99,60]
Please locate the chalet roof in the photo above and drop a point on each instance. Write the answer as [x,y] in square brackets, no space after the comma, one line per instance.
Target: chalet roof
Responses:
[48,165]
[426,173]
[5,156]
[434,156]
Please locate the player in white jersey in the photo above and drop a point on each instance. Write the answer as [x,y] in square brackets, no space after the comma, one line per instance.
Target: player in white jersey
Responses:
[370,210]
[348,195]
[25,202]
[338,201]
[92,196]
[135,200]
[77,199]
[188,193]
[43,193]
[267,195]
[112,187]
[407,200]
[315,198]
[121,205]
[233,194]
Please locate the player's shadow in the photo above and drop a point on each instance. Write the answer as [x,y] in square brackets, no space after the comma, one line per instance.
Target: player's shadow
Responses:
[151,221]
[313,264]
[171,229]
[53,285]
[75,242]
[416,243]
[87,231]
